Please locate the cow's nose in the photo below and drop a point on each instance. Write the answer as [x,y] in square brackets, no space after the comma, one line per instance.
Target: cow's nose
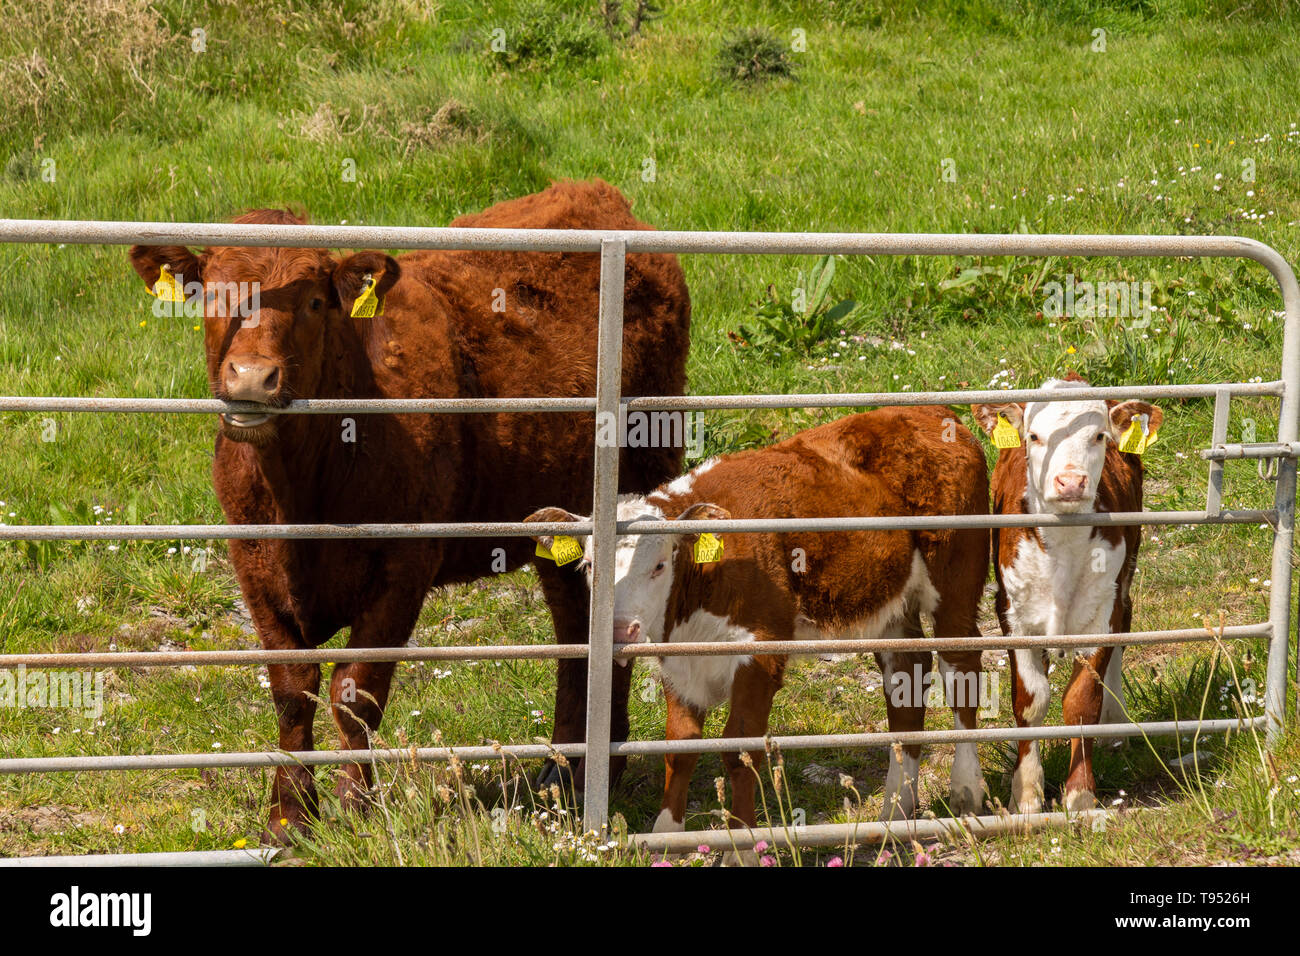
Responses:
[1070,485]
[251,378]
[627,632]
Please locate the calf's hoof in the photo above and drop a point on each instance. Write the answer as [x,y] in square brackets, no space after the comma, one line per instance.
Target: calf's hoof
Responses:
[1079,800]
[967,799]
[740,858]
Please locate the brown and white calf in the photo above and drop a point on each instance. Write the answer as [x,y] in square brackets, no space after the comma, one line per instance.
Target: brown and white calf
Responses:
[1065,580]
[800,585]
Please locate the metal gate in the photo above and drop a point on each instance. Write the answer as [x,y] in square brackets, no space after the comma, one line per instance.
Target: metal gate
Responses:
[613,246]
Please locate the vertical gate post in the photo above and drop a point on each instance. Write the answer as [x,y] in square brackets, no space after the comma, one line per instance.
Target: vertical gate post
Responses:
[1284,502]
[604,535]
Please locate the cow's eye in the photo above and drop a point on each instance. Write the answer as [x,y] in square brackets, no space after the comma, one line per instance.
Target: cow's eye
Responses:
[1101,436]
[1033,437]
[658,569]
[317,304]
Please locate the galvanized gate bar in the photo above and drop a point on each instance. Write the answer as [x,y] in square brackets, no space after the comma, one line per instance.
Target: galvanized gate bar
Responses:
[363,406]
[1233,632]
[519,529]
[321,758]
[600,636]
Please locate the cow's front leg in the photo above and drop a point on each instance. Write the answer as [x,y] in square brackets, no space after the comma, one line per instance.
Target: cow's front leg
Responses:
[1030,694]
[293,793]
[359,689]
[569,600]
[1084,698]
[358,696]
[685,722]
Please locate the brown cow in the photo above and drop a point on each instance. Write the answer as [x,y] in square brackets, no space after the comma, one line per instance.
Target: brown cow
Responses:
[440,334]
[1067,580]
[796,585]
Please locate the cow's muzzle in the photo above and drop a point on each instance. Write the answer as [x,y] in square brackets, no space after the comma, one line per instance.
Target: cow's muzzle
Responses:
[249,378]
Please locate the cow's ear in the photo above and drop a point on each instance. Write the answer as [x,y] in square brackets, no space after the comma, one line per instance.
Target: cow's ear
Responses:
[149,260]
[551,515]
[703,511]
[1122,415]
[987,415]
[350,276]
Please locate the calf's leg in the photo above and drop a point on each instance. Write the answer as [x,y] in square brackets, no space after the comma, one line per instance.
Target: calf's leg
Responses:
[904,673]
[684,723]
[1030,694]
[961,673]
[752,691]
[569,600]
[1083,705]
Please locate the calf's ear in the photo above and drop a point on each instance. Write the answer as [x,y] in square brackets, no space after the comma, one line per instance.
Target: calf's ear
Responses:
[350,276]
[550,515]
[1123,413]
[987,415]
[149,260]
[703,511]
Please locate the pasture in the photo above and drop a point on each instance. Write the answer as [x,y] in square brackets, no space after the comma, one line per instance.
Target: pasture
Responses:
[935,116]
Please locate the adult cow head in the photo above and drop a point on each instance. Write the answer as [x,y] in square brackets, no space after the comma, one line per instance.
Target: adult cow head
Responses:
[1065,442]
[645,565]
[266,314]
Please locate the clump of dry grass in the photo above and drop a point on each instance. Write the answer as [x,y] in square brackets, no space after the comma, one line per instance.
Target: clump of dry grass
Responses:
[452,122]
[53,53]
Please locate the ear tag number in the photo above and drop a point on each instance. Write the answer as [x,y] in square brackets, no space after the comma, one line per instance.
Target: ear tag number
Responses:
[367,305]
[564,550]
[1005,434]
[707,549]
[166,288]
[1138,437]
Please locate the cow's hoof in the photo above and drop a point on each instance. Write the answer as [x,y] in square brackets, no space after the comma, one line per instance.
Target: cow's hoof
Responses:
[1079,800]
[284,826]
[354,796]
[552,774]
[740,858]
[1030,806]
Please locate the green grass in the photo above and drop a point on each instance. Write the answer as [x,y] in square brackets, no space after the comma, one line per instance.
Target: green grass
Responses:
[980,116]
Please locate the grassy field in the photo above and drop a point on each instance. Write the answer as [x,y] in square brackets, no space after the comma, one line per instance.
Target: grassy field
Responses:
[980,116]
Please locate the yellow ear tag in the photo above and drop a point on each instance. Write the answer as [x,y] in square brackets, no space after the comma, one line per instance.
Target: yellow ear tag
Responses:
[1138,437]
[367,304]
[1005,434]
[166,288]
[707,549]
[564,550]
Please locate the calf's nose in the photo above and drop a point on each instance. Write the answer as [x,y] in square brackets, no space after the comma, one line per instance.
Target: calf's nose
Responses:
[1070,485]
[251,378]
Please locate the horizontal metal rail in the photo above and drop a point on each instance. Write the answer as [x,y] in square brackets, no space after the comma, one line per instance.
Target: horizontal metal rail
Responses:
[320,758]
[863,832]
[1289,449]
[362,406]
[625,652]
[521,529]
[103,232]
[253,856]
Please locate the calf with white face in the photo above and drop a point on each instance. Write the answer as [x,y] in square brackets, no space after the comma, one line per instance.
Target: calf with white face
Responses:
[796,585]
[1064,457]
